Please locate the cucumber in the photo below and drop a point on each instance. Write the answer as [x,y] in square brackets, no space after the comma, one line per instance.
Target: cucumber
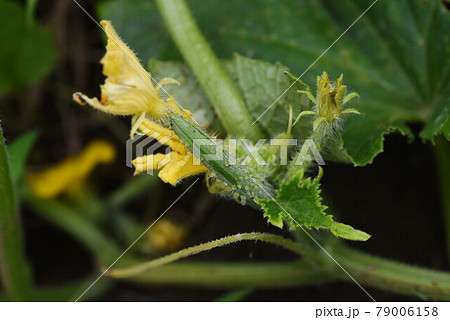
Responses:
[237,177]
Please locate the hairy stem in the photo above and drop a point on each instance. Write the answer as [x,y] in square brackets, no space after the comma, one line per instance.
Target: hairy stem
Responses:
[442,154]
[392,276]
[14,272]
[269,238]
[224,96]
[366,269]
[232,275]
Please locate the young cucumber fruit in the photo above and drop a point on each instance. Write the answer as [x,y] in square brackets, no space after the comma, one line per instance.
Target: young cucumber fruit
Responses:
[220,162]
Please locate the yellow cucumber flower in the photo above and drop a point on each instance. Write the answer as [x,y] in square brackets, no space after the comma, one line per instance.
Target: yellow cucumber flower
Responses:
[128,88]
[128,91]
[175,165]
[70,174]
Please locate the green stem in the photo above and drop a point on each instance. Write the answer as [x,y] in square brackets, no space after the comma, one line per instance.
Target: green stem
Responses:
[232,275]
[319,137]
[442,154]
[30,9]
[392,276]
[269,238]
[14,272]
[217,84]
[366,269]
[235,295]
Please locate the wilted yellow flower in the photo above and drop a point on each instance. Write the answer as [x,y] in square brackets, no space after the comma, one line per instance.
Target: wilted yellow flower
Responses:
[175,165]
[71,172]
[329,101]
[167,236]
[128,88]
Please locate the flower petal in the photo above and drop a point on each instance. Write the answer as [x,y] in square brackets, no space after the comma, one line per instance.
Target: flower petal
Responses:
[175,171]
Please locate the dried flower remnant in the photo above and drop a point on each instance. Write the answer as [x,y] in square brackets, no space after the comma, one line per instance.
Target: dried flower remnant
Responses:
[128,88]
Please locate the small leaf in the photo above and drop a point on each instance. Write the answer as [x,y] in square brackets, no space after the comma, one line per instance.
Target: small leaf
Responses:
[298,203]
[18,152]
[274,216]
[348,232]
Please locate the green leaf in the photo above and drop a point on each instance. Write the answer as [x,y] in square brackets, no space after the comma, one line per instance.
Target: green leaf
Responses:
[27,53]
[400,67]
[18,152]
[259,82]
[298,203]
[138,24]
[347,232]
[189,94]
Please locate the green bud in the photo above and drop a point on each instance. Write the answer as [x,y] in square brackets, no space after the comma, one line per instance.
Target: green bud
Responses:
[330,97]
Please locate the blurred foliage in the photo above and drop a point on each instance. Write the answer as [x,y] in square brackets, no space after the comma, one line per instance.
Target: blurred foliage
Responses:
[29,54]
[18,152]
[235,295]
[69,175]
[398,66]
